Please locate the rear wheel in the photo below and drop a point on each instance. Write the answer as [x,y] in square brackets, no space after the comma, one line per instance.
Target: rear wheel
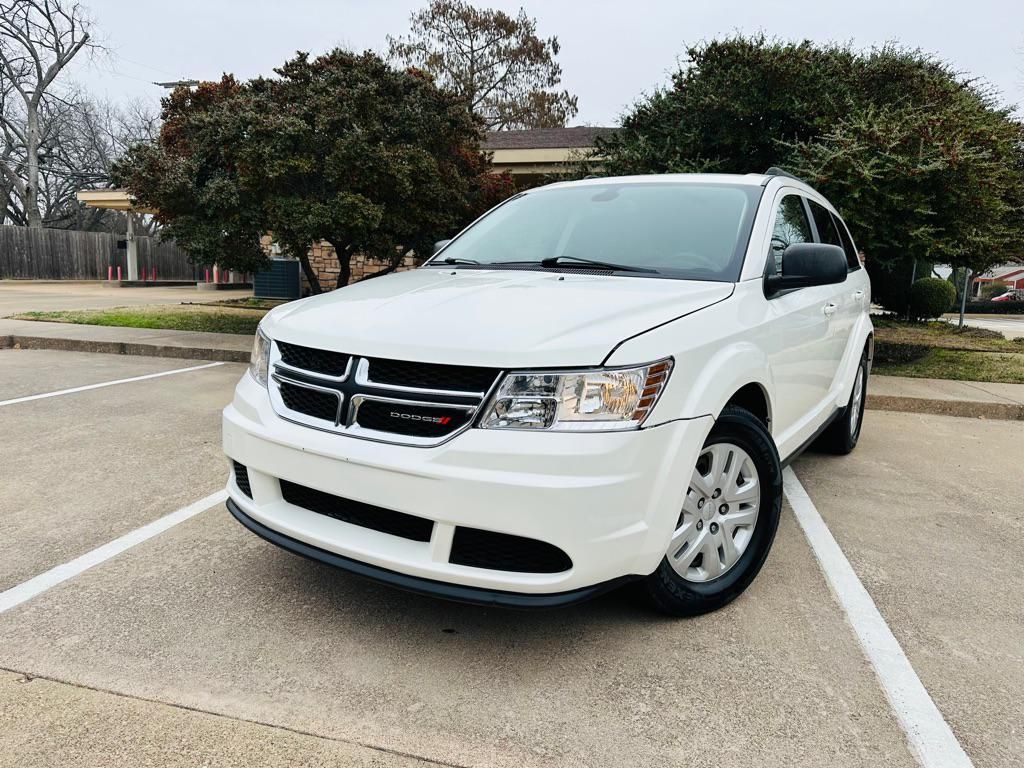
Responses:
[842,434]
[728,520]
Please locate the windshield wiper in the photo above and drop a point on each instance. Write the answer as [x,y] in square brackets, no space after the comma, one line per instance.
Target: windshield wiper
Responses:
[453,260]
[555,261]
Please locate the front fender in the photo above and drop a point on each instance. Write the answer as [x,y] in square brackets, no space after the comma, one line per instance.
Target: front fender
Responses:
[705,379]
[706,389]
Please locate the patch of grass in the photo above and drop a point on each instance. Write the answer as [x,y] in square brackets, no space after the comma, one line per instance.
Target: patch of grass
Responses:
[249,302]
[178,318]
[942,335]
[961,365]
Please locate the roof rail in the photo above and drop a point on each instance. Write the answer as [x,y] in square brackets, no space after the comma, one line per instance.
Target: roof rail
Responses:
[776,171]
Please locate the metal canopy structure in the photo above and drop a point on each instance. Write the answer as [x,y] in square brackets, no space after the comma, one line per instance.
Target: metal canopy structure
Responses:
[118,200]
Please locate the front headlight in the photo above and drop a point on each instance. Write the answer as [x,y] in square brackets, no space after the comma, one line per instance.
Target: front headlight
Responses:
[259,363]
[594,400]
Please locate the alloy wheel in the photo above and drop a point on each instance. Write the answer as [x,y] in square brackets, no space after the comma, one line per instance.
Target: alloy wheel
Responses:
[855,402]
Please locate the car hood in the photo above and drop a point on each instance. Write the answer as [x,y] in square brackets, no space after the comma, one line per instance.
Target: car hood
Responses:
[495,318]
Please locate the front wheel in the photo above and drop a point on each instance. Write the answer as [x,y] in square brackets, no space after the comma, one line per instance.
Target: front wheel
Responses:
[728,521]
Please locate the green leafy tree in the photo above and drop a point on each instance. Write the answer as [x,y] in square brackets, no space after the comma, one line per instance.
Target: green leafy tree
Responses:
[924,165]
[495,62]
[341,148]
[191,175]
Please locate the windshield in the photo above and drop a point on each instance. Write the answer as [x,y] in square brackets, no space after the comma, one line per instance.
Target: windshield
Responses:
[692,230]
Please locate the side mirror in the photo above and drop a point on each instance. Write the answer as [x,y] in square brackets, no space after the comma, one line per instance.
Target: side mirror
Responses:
[440,244]
[807,264]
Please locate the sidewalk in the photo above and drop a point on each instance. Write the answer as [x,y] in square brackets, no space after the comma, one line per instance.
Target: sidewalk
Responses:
[970,399]
[977,399]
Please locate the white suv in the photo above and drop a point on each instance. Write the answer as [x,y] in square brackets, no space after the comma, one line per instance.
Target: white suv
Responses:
[597,382]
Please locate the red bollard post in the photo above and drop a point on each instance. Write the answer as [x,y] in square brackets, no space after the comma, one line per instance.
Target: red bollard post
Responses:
[110,273]
[207,275]
[119,274]
[154,273]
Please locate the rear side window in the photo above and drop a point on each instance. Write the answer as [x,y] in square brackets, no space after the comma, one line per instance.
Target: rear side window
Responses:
[827,232]
[852,259]
[791,226]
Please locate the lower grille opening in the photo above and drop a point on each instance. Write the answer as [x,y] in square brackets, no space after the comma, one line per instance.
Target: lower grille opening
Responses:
[411,420]
[242,479]
[358,513]
[504,552]
[312,402]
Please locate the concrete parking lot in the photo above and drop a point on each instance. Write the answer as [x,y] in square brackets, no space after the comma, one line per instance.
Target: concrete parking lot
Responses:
[203,645]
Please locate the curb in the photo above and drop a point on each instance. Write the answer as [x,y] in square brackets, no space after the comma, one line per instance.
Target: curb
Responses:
[963,408]
[125,348]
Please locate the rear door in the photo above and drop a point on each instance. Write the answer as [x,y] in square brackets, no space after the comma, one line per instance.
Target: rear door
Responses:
[844,305]
[852,297]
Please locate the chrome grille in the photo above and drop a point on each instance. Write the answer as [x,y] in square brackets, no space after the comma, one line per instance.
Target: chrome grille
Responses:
[331,364]
[315,403]
[455,378]
[404,402]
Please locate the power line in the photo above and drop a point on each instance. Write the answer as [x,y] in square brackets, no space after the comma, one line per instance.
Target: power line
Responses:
[67,174]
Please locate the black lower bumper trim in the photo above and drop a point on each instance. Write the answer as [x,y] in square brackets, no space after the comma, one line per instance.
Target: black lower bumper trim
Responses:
[456,592]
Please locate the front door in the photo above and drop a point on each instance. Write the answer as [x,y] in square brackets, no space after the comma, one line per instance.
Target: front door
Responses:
[802,348]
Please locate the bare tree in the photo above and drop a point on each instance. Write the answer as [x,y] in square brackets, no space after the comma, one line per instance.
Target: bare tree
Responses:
[497,63]
[38,39]
[82,141]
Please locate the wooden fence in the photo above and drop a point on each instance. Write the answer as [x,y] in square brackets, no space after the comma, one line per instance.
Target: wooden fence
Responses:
[60,254]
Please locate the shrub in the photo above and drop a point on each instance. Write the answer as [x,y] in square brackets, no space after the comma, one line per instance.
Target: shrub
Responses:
[993,289]
[931,297]
[898,352]
[995,307]
[890,283]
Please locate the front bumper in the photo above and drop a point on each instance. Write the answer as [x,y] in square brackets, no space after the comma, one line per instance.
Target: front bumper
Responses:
[457,592]
[608,500]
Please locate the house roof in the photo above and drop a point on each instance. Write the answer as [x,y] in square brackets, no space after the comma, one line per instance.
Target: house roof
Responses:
[580,137]
[1003,271]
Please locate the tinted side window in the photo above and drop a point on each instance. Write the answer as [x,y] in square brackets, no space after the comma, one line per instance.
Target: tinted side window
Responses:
[827,231]
[791,226]
[852,259]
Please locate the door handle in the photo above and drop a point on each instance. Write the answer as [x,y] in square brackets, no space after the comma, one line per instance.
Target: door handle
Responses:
[829,309]
[858,295]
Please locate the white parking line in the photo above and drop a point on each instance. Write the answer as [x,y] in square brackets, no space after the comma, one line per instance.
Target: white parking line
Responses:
[931,739]
[107,384]
[37,585]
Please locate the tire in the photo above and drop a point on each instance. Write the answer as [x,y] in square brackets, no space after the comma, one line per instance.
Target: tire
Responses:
[842,434]
[689,584]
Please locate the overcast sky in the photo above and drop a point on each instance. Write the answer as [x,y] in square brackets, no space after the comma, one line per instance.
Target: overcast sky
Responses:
[612,50]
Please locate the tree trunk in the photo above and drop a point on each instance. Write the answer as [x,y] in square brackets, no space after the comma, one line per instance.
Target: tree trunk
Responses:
[913,277]
[311,276]
[345,263]
[30,200]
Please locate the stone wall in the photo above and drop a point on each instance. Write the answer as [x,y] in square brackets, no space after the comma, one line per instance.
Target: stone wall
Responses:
[324,260]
